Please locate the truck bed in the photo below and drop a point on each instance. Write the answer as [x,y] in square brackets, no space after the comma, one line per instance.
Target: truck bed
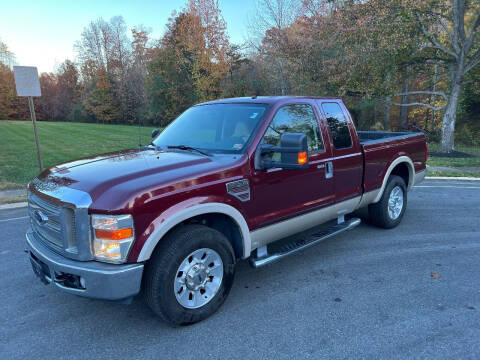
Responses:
[381,147]
[374,137]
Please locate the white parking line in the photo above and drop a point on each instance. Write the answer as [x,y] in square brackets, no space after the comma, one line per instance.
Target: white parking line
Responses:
[17,218]
[447,186]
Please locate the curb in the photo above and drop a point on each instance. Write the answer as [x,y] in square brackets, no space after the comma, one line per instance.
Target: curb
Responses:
[13,205]
[451,178]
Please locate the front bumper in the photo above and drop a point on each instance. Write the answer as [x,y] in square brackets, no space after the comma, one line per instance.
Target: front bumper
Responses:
[98,280]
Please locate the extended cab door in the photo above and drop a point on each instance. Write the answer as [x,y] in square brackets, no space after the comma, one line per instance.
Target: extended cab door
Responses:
[281,194]
[346,165]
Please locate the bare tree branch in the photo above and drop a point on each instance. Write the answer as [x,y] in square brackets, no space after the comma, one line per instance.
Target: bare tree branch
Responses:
[474,61]
[440,18]
[434,108]
[455,21]
[439,93]
[461,21]
[469,42]
[440,47]
[432,39]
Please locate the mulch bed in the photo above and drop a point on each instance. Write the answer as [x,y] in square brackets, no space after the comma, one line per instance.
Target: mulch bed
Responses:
[453,154]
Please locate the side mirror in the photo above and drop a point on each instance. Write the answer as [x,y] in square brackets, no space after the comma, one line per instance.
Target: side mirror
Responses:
[155,132]
[293,153]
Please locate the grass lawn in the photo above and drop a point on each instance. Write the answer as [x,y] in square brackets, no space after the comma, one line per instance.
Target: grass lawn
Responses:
[59,142]
[62,141]
[461,173]
[455,162]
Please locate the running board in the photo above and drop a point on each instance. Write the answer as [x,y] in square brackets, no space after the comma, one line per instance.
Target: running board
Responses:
[294,246]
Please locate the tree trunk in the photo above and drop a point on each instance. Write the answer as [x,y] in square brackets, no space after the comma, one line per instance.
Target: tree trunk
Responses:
[448,125]
[404,109]
[435,77]
[386,119]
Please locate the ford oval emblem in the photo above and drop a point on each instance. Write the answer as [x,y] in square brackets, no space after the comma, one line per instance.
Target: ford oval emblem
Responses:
[40,217]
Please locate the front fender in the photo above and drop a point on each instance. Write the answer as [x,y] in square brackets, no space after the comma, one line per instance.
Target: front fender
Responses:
[184,211]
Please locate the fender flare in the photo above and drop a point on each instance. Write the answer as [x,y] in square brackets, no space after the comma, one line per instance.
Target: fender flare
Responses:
[411,175]
[192,211]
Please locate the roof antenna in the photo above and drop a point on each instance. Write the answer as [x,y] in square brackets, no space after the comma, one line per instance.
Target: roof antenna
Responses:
[254,96]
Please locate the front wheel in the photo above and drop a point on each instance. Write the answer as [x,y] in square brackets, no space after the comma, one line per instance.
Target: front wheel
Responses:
[388,212]
[189,275]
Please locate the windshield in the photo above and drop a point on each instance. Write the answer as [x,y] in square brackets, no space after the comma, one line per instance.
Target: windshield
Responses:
[217,127]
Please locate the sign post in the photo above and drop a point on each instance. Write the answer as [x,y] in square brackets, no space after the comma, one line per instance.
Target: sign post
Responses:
[27,85]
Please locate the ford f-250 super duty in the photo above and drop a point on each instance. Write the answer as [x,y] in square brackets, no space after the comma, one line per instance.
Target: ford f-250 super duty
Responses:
[227,180]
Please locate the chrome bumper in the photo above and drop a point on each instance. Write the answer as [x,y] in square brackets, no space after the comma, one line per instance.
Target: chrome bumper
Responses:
[99,280]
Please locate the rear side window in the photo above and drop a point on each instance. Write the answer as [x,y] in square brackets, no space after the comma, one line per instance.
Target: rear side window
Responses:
[295,118]
[338,125]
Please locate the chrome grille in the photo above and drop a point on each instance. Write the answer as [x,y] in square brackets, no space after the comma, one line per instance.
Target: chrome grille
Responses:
[45,218]
[59,218]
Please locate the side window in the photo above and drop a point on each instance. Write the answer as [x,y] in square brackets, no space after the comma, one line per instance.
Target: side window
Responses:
[295,118]
[338,125]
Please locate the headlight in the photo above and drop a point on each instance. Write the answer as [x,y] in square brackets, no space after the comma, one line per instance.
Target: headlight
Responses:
[113,236]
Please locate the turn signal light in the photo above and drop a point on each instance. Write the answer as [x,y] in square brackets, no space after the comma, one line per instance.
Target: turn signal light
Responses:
[118,234]
[302,157]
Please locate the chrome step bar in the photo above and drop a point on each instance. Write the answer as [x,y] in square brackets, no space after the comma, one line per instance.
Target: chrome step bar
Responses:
[294,246]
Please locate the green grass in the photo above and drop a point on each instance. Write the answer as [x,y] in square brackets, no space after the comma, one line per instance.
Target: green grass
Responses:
[461,173]
[455,162]
[59,142]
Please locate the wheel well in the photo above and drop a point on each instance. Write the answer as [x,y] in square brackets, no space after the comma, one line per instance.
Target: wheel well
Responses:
[403,171]
[222,223]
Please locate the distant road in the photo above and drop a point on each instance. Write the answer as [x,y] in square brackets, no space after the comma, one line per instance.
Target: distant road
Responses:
[368,294]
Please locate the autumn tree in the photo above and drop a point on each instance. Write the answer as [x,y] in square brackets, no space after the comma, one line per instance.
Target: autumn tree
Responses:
[451,37]
[11,106]
[244,76]
[171,84]
[60,93]
[190,61]
[105,56]
[205,35]
[6,56]
[137,74]
[267,30]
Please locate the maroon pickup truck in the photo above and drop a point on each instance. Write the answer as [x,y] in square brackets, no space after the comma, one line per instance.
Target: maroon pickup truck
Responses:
[227,180]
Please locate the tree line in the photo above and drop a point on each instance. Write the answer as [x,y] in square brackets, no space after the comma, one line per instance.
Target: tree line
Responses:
[398,64]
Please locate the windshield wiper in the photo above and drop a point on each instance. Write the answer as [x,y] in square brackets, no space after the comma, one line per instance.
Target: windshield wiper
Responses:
[188,148]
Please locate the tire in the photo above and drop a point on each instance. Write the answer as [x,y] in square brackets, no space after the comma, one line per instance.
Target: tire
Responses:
[172,269]
[379,212]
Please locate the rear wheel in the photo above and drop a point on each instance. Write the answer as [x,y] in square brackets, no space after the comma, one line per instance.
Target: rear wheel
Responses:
[388,212]
[190,274]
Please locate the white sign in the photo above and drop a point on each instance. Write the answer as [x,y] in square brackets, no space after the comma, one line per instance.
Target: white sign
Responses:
[26,81]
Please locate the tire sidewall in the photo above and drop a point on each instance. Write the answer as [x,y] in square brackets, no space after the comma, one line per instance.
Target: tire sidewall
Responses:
[198,237]
[393,182]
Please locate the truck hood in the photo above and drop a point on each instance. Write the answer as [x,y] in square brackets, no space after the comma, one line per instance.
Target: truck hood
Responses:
[115,180]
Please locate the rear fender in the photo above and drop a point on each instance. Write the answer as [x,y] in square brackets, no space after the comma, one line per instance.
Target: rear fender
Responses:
[411,174]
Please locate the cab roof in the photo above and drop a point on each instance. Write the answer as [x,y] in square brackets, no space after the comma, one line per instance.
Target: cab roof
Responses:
[265,99]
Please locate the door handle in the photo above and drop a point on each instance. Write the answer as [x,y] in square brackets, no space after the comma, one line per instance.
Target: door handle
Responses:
[328,170]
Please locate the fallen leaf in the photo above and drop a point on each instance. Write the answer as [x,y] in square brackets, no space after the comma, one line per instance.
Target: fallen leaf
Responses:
[435,275]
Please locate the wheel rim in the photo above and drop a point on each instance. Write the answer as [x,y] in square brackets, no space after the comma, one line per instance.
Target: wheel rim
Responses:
[198,278]
[395,203]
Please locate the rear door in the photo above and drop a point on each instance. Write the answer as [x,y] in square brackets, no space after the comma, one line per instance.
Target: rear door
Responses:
[346,165]
[280,194]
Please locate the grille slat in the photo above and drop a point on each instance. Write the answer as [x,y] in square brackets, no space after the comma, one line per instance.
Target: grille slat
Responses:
[50,230]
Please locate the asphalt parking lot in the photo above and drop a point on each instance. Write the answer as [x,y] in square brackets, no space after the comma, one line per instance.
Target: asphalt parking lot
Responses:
[368,294]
